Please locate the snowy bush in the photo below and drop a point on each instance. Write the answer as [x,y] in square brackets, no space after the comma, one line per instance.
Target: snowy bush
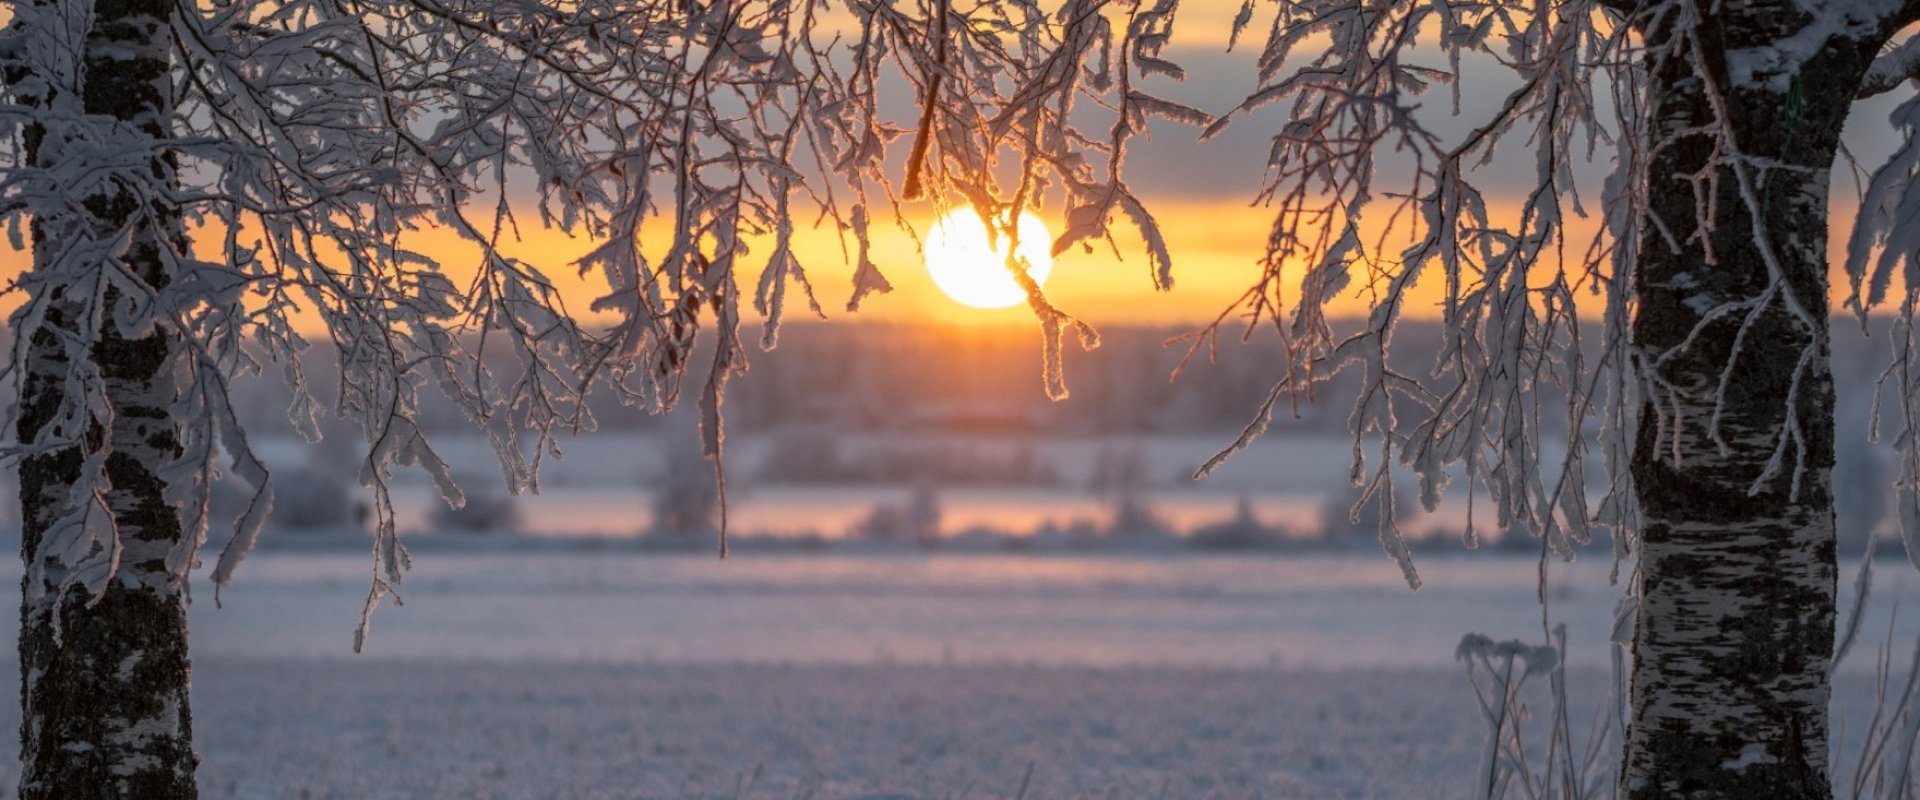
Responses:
[1133,516]
[916,520]
[801,455]
[488,509]
[312,499]
[1244,531]
[1120,476]
[812,455]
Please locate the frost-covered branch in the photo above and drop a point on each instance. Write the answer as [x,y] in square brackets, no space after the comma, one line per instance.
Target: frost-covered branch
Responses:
[321,153]
[1375,191]
[1353,119]
[1896,66]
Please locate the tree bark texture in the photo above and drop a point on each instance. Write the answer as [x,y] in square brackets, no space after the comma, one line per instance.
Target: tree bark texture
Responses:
[1735,626]
[104,679]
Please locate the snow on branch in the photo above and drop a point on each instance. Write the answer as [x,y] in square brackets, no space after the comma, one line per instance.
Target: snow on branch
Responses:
[1898,65]
[315,145]
[1370,186]
[1351,118]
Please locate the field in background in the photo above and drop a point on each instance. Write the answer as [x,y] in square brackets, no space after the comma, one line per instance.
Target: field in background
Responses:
[570,672]
[607,484]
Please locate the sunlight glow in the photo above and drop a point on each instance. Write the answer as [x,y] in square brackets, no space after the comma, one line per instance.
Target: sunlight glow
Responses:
[972,270]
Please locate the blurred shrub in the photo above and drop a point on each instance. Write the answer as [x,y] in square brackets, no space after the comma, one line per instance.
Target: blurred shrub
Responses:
[812,455]
[489,508]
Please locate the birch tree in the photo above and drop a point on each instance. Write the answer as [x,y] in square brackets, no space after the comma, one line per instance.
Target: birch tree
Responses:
[1711,396]
[211,189]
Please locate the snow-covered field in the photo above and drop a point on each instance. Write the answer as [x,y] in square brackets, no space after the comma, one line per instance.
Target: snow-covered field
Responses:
[437,729]
[621,606]
[589,673]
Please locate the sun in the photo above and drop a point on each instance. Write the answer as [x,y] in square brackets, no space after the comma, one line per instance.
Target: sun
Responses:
[972,268]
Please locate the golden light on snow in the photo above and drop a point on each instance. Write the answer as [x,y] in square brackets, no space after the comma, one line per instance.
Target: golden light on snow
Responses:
[971,267]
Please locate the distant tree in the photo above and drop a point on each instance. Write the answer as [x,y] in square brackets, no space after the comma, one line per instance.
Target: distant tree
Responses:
[917,519]
[1131,513]
[1242,531]
[923,514]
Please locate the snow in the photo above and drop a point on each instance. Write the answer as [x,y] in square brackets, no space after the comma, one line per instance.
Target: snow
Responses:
[570,674]
[1775,64]
[1750,755]
[1322,611]
[438,730]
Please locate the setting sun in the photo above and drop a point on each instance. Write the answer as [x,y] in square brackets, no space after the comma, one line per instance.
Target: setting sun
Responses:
[971,268]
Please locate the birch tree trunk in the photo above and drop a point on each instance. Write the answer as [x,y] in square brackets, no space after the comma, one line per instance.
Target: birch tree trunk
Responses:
[104,679]
[1736,618]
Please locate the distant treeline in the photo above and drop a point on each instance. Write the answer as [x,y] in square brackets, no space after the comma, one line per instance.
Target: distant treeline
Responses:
[893,376]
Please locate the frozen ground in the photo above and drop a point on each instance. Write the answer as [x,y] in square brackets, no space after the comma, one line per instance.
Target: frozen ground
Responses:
[597,674]
[1308,611]
[369,730]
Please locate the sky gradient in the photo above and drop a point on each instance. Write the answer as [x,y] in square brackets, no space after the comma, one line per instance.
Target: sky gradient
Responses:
[1201,192]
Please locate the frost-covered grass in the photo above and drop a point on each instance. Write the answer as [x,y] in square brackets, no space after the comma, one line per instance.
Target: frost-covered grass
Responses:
[376,730]
[1325,610]
[371,729]
[367,730]
[615,674]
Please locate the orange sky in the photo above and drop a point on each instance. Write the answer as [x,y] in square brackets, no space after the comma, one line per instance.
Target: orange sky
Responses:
[1199,193]
[1216,246]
